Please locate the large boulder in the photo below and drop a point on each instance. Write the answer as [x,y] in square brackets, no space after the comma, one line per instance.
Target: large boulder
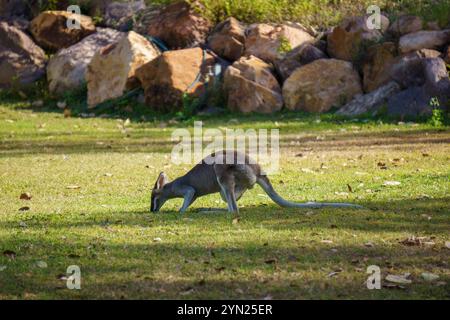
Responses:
[412,102]
[424,40]
[179,25]
[250,86]
[50,29]
[66,69]
[21,61]
[321,85]
[112,70]
[446,55]
[408,70]
[348,40]
[370,102]
[173,74]
[377,65]
[437,82]
[406,24]
[416,101]
[14,8]
[296,58]
[272,42]
[228,39]
[119,15]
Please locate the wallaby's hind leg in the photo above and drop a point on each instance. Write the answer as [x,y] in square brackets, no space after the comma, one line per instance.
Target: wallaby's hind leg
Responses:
[228,195]
[239,192]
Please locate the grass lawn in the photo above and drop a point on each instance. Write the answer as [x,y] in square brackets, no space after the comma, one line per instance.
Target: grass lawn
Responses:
[105,226]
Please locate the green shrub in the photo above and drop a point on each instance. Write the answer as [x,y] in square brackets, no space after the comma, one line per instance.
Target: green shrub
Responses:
[318,13]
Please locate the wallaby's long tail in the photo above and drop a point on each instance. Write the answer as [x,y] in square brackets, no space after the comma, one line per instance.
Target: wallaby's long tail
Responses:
[264,182]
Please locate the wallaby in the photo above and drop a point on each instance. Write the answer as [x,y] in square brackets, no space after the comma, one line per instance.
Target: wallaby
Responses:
[213,174]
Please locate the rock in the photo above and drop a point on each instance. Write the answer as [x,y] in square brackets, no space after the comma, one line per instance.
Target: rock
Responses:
[348,40]
[406,24]
[228,39]
[272,42]
[22,62]
[437,82]
[407,70]
[66,69]
[425,78]
[13,8]
[250,86]
[433,25]
[50,29]
[179,25]
[446,55]
[369,102]
[410,103]
[112,69]
[296,58]
[424,40]
[119,15]
[20,23]
[321,85]
[377,65]
[167,78]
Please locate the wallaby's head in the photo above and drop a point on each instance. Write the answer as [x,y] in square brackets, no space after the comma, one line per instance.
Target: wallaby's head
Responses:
[159,194]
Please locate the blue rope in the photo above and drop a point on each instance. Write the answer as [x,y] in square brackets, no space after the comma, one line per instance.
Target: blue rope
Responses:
[158,42]
[199,75]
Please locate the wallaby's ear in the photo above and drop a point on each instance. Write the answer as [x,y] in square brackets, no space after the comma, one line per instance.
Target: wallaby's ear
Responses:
[161,181]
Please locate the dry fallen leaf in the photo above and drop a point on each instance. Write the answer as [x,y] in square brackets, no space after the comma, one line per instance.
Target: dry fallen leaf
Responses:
[392,183]
[326,241]
[187,291]
[427,276]
[334,273]
[62,277]
[67,113]
[399,279]
[41,264]
[73,187]
[417,241]
[236,220]
[157,239]
[25,196]
[271,261]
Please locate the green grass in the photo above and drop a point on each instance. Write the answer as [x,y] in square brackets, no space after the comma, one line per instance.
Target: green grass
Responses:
[106,228]
[319,13]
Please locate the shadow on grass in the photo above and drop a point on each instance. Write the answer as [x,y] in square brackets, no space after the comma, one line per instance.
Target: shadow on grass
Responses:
[145,142]
[409,215]
[240,270]
[240,267]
